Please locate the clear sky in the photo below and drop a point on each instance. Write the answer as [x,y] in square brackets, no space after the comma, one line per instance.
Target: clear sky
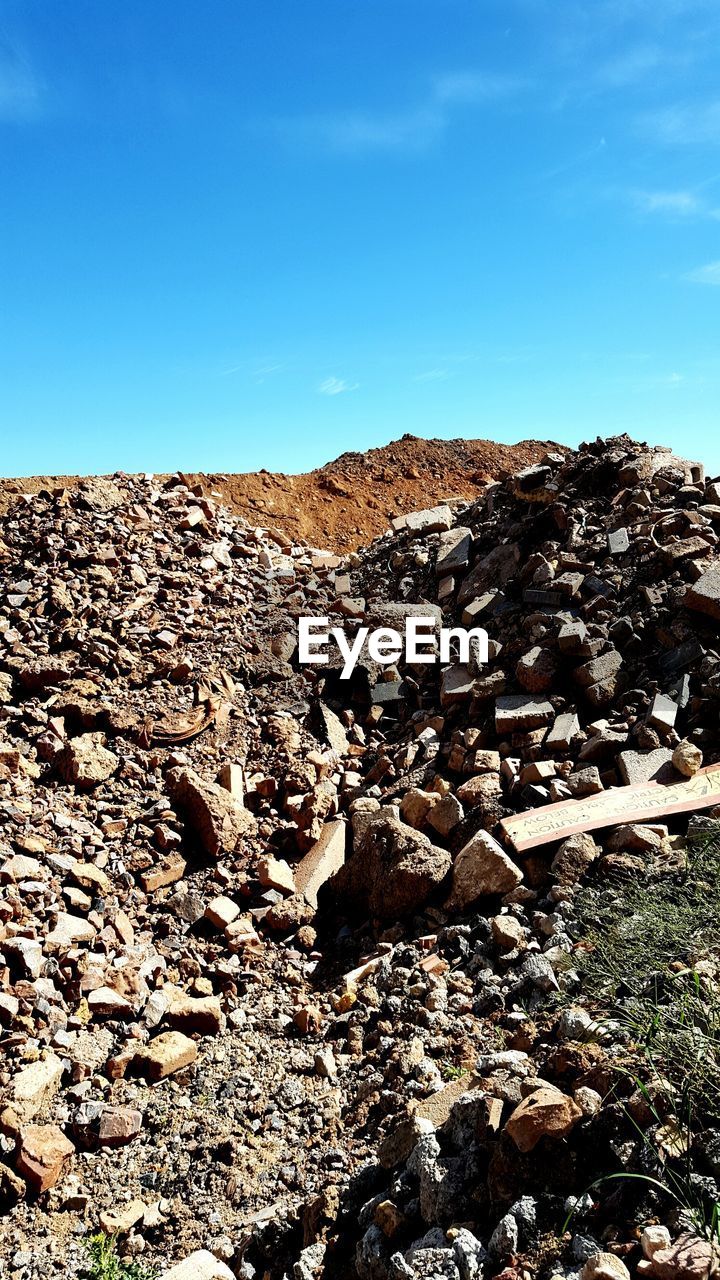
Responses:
[247,233]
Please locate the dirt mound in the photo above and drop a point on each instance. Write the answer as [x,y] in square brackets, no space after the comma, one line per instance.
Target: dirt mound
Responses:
[348,502]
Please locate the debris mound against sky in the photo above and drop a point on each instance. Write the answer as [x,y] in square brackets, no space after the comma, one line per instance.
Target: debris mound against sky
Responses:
[278,995]
[349,501]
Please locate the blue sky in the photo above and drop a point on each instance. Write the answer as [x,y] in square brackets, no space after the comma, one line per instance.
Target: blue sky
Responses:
[251,233]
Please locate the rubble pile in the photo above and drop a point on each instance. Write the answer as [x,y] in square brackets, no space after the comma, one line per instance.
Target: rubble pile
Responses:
[348,501]
[595,577]
[280,995]
[146,799]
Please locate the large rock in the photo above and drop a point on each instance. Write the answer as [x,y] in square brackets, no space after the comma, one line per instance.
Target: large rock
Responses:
[481,868]
[493,570]
[219,821]
[290,913]
[483,792]
[453,551]
[333,730]
[393,869]
[118,1126]
[85,761]
[516,713]
[536,670]
[32,1088]
[638,767]
[322,861]
[446,814]
[574,857]
[105,1002]
[230,778]
[704,595]
[604,1266]
[68,932]
[545,1113]
[201,1265]
[416,805]
[97,1125]
[166,1054]
[456,684]
[12,1188]
[602,669]
[431,520]
[687,758]
[44,1155]
[121,1218]
[222,911]
[42,673]
[195,1013]
[689,1258]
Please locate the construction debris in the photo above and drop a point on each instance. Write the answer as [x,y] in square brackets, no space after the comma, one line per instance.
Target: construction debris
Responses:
[291,979]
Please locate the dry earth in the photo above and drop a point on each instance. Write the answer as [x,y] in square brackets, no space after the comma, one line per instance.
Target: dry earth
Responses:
[349,501]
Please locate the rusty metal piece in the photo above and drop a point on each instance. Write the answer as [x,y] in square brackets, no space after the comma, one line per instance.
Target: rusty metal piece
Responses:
[211,706]
[173,729]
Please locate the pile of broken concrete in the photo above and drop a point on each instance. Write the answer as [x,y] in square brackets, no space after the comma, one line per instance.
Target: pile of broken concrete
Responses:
[595,576]
[147,795]
[278,987]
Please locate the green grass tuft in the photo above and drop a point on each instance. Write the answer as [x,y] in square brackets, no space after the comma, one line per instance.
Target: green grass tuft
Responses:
[647,962]
[106,1265]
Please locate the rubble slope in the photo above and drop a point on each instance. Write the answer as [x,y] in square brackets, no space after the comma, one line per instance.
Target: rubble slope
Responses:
[348,501]
[278,996]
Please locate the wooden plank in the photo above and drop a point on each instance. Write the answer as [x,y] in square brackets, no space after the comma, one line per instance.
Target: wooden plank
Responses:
[643,803]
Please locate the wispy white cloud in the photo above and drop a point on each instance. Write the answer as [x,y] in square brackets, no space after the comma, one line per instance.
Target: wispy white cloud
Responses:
[267,371]
[631,67]
[258,372]
[467,87]
[579,159]
[678,203]
[583,22]
[603,49]
[408,128]
[353,131]
[336,386]
[618,12]
[432,375]
[684,124]
[672,383]
[707,274]
[20,96]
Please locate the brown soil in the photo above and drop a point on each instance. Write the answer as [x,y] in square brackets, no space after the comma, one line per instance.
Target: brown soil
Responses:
[348,502]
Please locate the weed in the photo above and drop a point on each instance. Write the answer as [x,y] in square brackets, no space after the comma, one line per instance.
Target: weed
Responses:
[648,959]
[674,1175]
[643,960]
[106,1265]
[451,1072]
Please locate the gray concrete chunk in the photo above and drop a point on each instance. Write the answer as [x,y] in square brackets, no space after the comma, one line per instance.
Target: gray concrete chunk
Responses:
[618,542]
[663,712]
[453,551]
[516,712]
[704,595]
[644,766]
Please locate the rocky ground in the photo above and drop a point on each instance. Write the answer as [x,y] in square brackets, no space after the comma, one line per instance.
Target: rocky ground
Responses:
[277,997]
[349,501]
